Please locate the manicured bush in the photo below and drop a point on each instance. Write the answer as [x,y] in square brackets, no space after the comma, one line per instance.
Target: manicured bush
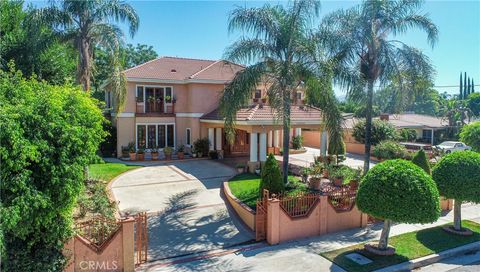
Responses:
[381,131]
[421,160]
[48,136]
[390,150]
[398,191]
[470,135]
[202,145]
[297,142]
[336,146]
[458,177]
[271,177]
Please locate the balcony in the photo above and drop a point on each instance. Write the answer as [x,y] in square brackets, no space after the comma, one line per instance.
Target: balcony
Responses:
[155,108]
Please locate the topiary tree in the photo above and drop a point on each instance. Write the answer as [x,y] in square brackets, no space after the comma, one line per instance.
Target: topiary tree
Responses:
[336,146]
[381,131]
[470,135]
[271,176]
[420,159]
[458,177]
[399,191]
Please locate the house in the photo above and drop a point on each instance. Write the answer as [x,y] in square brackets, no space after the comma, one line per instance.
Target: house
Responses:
[173,101]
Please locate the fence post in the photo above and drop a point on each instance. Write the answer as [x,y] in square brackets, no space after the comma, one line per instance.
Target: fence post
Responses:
[128,244]
[323,202]
[273,221]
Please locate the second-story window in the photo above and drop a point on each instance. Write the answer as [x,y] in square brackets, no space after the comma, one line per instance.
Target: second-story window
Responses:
[168,95]
[299,96]
[139,94]
[258,94]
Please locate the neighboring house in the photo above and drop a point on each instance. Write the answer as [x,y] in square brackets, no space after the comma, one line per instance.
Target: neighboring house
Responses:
[174,101]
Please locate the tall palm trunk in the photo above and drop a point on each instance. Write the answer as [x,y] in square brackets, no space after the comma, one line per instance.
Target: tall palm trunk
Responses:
[84,65]
[383,242]
[457,215]
[368,127]
[286,136]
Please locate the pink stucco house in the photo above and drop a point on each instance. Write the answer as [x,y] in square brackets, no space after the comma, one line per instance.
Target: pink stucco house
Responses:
[174,101]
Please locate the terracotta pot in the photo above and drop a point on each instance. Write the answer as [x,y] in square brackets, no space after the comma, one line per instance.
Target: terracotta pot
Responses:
[168,156]
[133,156]
[181,155]
[154,155]
[141,156]
[264,100]
[338,181]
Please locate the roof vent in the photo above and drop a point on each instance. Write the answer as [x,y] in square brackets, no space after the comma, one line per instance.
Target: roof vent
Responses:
[173,71]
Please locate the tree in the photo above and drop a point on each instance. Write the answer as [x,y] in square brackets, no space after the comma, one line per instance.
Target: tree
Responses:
[381,131]
[470,135]
[136,55]
[458,177]
[465,89]
[420,159]
[473,86]
[474,103]
[359,40]
[86,24]
[398,191]
[271,177]
[48,135]
[280,43]
[461,87]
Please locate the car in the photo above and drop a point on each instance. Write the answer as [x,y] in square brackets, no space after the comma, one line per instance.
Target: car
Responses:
[451,146]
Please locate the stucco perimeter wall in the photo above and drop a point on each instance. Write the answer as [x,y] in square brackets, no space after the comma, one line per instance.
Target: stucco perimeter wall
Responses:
[242,210]
[116,255]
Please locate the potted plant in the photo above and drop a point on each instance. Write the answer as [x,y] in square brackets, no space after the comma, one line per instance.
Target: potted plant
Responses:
[131,149]
[201,146]
[154,153]
[181,152]
[257,171]
[194,153]
[140,154]
[240,167]
[264,99]
[255,100]
[355,181]
[337,175]
[305,172]
[168,152]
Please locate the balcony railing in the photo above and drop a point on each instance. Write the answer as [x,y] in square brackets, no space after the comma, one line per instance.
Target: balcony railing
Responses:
[155,108]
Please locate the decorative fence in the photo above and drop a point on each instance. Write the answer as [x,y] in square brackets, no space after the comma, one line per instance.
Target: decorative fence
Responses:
[298,205]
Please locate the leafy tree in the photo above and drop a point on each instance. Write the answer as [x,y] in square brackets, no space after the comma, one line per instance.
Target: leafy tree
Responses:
[136,55]
[407,135]
[48,135]
[458,177]
[280,43]
[461,87]
[381,131]
[398,191]
[271,176]
[470,135]
[474,103]
[420,159]
[87,24]
[465,89]
[363,39]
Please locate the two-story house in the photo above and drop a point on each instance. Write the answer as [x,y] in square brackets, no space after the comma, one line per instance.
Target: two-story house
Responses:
[174,101]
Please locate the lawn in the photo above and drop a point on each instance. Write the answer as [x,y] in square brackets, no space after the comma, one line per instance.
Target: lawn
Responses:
[408,246]
[245,187]
[107,171]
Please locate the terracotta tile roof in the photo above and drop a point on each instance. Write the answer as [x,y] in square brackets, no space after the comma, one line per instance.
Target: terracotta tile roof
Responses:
[173,68]
[256,113]
[407,120]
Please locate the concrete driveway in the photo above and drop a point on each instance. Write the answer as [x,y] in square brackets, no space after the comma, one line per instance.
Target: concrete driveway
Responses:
[187,213]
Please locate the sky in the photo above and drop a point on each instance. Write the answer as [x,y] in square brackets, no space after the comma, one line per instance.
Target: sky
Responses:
[198,29]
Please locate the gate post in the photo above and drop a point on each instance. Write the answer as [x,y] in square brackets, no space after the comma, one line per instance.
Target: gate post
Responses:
[128,244]
[273,221]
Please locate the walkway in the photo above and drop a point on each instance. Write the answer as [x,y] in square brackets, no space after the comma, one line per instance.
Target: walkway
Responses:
[186,211]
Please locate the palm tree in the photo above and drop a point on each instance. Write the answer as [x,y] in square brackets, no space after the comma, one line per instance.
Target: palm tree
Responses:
[87,24]
[280,42]
[363,39]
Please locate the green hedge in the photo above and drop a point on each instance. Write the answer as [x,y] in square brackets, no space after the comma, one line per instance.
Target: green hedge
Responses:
[390,150]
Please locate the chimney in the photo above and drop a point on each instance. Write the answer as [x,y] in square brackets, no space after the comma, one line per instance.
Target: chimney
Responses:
[384,116]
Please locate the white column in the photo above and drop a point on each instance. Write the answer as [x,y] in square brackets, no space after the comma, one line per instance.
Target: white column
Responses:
[298,131]
[211,137]
[433,132]
[263,147]
[253,147]
[270,139]
[218,139]
[276,140]
[323,143]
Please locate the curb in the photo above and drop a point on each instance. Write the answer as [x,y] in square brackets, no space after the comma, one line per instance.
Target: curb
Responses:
[433,258]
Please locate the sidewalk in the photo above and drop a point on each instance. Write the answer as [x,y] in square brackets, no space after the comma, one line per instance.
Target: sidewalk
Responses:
[301,255]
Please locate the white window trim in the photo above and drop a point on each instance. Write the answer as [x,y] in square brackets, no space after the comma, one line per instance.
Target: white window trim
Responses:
[154,86]
[156,134]
[187,130]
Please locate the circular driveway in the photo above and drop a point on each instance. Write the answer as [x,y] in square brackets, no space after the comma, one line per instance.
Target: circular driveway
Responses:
[187,213]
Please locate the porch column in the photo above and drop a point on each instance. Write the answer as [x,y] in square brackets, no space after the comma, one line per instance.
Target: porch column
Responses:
[218,138]
[323,143]
[298,132]
[253,147]
[263,147]
[270,139]
[211,137]
[275,138]
[433,132]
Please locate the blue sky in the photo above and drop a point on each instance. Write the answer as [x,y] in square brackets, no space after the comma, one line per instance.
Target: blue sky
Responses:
[198,29]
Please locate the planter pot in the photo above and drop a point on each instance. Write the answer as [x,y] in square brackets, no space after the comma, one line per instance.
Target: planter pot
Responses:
[168,156]
[315,183]
[181,155]
[338,181]
[132,155]
[240,170]
[154,155]
[257,171]
[264,100]
[141,156]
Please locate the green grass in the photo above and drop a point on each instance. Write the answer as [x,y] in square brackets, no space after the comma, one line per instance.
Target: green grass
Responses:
[107,171]
[408,246]
[245,187]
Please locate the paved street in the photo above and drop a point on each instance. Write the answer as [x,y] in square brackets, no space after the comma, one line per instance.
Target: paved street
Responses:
[186,211]
[469,262]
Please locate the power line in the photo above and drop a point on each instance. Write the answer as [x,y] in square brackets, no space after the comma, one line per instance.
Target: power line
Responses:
[453,86]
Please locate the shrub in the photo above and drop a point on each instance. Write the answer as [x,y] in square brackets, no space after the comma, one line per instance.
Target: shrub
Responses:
[212,154]
[336,146]
[202,145]
[390,150]
[381,131]
[400,191]
[458,177]
[420,159]
[470,135]
[297,142]
[271,177]
[474,103]
[407,135]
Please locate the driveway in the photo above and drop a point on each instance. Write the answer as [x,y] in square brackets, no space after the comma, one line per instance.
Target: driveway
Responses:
[187,213]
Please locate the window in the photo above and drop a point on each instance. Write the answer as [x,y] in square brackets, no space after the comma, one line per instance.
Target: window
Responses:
[258,94]
[168,95]
[188,137]
[427,134]
[161,136]
[152,136]
[170,136]
[155,135]
[299,96]
[141,140]
[139,94]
